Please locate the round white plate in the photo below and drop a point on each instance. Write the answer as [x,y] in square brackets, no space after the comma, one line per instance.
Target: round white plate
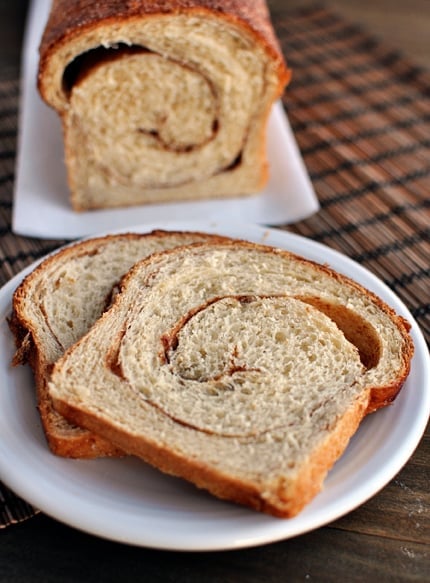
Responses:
[125,500]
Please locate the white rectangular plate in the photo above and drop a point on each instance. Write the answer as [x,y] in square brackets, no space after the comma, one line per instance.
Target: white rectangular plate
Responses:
[41,197]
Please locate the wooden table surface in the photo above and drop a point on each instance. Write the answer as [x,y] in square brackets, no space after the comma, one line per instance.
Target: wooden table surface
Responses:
[361,114]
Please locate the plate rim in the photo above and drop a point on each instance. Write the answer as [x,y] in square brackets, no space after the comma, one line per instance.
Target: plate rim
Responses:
[269,529]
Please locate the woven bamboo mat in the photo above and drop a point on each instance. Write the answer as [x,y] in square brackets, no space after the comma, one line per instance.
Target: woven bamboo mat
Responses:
[361,115]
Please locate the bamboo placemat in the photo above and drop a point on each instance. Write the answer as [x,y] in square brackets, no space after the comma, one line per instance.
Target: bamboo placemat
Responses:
[361,115]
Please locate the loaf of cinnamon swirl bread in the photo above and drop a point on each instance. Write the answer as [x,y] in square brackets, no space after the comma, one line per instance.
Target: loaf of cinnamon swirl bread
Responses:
[161,100]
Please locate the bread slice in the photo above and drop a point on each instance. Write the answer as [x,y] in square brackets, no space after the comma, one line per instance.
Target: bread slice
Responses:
[161,101]
[59,301]
[241,368]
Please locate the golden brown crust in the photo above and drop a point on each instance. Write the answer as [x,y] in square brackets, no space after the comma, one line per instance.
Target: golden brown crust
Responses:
[79,444]
[69,19]
[285,503]
[166,460]
[311,479]
[67,16]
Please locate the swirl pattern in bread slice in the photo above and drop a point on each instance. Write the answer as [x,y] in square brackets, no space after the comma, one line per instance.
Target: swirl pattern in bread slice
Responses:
[238,367]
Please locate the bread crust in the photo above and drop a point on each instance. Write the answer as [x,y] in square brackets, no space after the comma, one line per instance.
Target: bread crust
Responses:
[281,502]
[79,443]
[67,15]
[71,19]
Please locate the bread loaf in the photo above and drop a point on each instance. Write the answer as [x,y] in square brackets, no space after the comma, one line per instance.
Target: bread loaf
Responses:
[59,301]
[241,368]
[161,101]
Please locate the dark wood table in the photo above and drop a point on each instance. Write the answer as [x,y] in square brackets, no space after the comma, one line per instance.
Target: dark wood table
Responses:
[361,115]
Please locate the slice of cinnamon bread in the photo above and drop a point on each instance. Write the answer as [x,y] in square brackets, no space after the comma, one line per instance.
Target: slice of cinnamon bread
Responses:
[241,368]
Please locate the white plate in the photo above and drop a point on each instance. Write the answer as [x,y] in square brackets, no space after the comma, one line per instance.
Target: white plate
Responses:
[41,199]
[126,500]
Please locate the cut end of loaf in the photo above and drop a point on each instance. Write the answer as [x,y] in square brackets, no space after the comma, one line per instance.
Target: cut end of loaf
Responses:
[164,106]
